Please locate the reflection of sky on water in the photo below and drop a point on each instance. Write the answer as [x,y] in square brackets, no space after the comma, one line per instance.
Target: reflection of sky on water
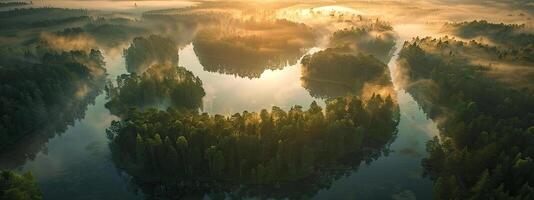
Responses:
[227,94]
[77,164]
[399,174]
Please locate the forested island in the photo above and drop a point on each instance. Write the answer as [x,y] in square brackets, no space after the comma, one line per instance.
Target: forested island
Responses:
[155,79]
[485,146]
[152,50]
[476,85]
[353,63]
[185,154]
[160,86]
[336,71]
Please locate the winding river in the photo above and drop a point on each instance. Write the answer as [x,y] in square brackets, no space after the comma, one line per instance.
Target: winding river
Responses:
[77,164]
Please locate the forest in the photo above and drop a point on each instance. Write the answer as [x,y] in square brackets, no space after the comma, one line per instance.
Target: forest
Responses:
[31,91]
[155,79]
[376,38]
[15,186]
[156,132]
[45,89]
[511,40]
[146,52]
[336,71]
[484,150]
[181,153]
[353,63]
[160,86]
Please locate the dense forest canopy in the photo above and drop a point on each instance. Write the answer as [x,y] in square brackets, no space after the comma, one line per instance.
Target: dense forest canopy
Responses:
[354,62]
[509,35]
[485,149]
[160,86]
[336,71]
[23,26]
[191,153]
[32,92]
[377,39]
[153,50]
[476,84]
[513,41]
[77,29]
[514,68]
[18,187]
[155,79]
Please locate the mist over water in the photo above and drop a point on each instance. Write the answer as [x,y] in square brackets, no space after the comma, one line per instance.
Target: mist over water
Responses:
[249,56]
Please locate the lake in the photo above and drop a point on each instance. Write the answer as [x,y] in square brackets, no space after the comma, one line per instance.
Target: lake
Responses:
[79,162]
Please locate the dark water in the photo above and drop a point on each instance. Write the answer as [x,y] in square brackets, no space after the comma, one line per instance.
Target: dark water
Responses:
[77,164]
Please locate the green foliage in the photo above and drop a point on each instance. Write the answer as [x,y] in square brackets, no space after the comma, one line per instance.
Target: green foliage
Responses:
[145,52]
[377,39]
[335,71]
[33,93]
[485,149]
[178,149]
[515,40]
[18,187]
[159,86]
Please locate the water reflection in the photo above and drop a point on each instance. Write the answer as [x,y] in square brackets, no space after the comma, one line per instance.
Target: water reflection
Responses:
[248,72]
[186,155]
[248,48]
[36,142]
[75,163]
[474,110]
[224,93]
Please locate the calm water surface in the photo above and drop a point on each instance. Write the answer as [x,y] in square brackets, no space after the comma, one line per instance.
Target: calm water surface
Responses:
[77,164]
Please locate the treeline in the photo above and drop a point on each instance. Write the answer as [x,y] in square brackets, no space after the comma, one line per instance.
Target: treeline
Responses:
[13,4]
[106,32]
[145,52]
[354,62]
[36,89]
[18,187]
[377,39]
[41,11]
[17,19]
[160,86]
[453,49]
[175,154]
[512,37]
[70,29]
[336,71]
[486,146]
[155,79]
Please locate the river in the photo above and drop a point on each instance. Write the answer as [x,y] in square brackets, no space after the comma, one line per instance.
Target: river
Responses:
[77,164]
